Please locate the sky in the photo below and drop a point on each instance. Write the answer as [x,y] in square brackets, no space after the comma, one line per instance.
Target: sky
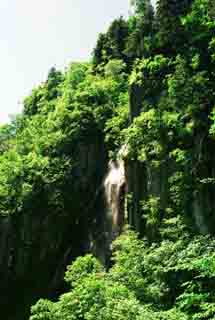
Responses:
[38,34]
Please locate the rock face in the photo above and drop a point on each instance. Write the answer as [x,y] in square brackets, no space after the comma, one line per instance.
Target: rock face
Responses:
[197,197]
[203,204]
[36,247]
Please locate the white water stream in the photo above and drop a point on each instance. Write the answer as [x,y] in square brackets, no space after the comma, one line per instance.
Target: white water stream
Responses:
[114,185]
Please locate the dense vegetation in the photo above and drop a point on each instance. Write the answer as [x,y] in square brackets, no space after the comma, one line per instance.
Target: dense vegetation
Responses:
[150,85]
[170,280]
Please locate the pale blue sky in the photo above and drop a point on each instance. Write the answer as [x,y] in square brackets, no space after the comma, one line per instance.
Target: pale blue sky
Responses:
[38,34]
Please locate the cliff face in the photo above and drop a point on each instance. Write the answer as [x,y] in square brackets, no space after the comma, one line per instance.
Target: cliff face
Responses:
[129,138]
[192,183]
[36,247]
[104,196]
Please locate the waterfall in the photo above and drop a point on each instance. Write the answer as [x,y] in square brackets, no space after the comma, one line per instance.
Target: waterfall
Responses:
[114,186]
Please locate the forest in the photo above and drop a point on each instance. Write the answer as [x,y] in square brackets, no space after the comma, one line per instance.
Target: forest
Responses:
[107,185]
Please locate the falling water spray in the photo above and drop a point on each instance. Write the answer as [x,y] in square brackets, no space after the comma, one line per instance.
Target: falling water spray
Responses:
[114,185]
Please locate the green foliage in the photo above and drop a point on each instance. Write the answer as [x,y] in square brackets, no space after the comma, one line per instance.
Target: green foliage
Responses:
[170,31]
[150,87]
[150,75]
[141,26]
[111,45]
[82,268]
[170,280]
[40,149]
[7,133]
[43,310]
[152,215]
[140,6]
[145,146]
[43,96]
[115,69]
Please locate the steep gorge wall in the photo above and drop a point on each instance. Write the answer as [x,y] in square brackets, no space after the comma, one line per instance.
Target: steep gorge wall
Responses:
[197,193]
[36,247]
[104,196]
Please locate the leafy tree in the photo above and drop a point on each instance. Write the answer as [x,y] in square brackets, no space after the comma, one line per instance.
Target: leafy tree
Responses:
[169,280]
[112,44]
[142,30]
[171,35]
[7,134]
[141,6]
